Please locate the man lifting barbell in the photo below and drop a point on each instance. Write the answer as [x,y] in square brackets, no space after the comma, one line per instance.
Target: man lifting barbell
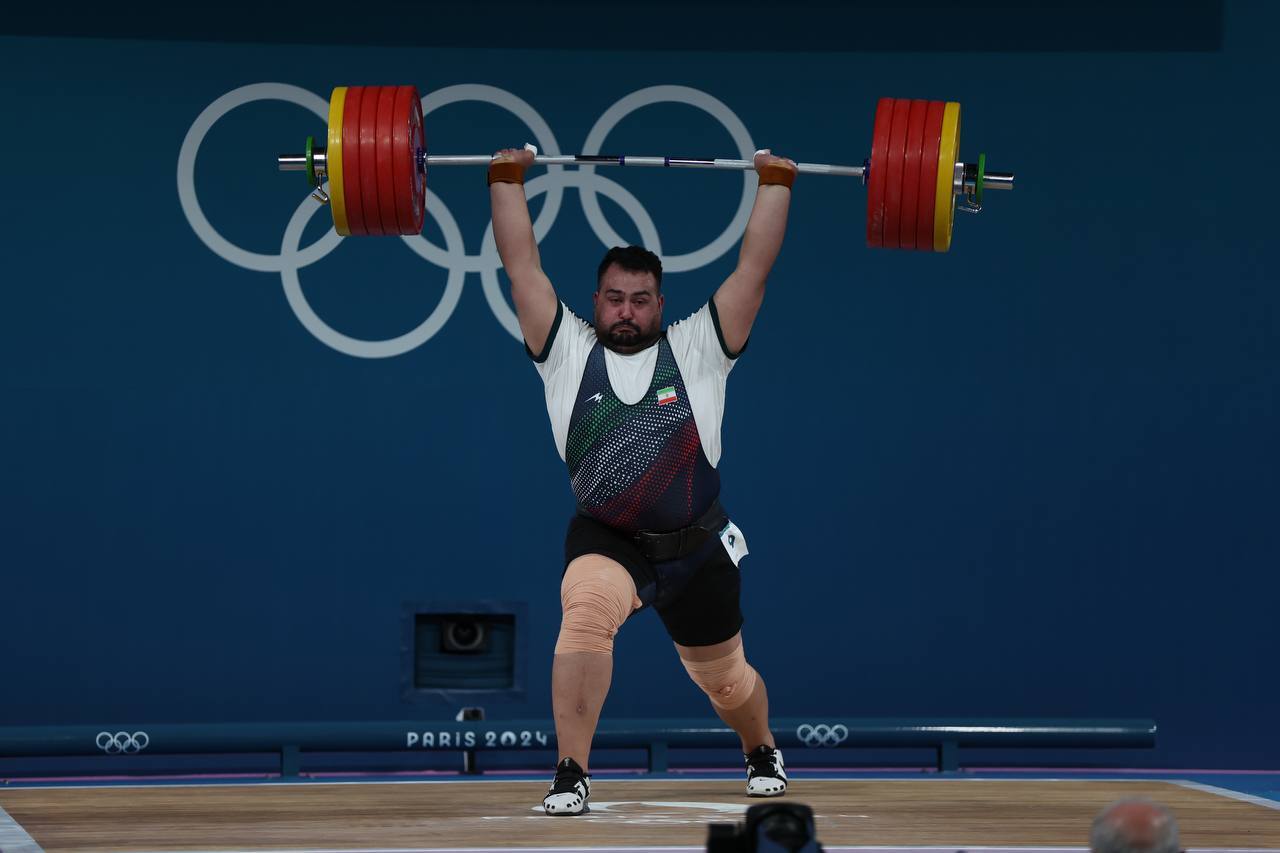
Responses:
[635,412]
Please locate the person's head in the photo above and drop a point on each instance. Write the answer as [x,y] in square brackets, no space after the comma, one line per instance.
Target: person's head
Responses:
[1134,826]
[628,299]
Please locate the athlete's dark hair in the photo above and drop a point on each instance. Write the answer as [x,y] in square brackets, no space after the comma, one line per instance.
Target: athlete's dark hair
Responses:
[633,259]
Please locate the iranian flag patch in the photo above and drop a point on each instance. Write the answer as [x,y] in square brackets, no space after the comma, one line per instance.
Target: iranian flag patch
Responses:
[666,395]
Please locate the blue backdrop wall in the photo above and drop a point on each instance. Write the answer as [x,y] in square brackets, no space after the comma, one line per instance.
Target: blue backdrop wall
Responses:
[1034,476]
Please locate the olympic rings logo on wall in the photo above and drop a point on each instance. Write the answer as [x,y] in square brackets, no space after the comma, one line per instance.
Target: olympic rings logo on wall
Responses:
[822,735]
[453,256]
[122,742]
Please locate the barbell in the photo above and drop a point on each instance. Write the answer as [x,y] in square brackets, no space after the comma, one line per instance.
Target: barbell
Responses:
[375,160]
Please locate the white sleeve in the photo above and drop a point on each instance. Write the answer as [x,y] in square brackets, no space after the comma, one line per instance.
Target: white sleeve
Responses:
[561,364]
[705,362]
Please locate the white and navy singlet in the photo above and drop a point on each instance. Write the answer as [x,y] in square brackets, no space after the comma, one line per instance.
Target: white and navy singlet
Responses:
[639,433]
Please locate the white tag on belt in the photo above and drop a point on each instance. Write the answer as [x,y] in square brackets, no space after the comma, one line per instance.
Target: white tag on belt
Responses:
[734,542]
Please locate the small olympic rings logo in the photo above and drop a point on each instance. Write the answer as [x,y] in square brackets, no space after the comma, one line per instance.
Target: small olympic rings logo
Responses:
[453,255]
[822,735]
[122,742]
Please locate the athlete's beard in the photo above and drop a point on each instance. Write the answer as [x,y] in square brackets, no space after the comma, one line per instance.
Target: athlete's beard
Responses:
[625,337]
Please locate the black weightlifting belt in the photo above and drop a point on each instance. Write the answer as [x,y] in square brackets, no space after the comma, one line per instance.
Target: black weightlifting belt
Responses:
[661,547]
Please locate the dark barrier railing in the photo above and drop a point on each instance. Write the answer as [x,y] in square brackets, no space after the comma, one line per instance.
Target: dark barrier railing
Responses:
[655,735]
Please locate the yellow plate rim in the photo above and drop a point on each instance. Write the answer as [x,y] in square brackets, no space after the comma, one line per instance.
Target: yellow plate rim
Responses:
[333,161]
[944,211]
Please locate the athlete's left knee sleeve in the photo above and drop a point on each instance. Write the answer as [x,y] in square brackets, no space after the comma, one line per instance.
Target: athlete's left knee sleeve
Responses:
[727,681]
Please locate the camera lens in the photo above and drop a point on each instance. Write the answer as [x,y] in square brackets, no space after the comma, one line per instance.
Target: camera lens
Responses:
[463,635]
[786,829]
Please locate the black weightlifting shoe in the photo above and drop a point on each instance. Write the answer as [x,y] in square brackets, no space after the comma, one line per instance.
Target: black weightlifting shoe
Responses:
[766,776]
[569,791]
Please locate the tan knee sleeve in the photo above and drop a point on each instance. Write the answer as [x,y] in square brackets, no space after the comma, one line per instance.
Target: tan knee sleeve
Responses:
[728,681]
[596,597]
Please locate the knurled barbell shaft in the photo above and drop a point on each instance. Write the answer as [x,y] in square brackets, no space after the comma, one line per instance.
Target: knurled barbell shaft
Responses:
[660,162]
[298,163]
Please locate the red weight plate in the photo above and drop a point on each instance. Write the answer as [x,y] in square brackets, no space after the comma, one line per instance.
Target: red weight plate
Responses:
[351,183]
[911,174]
[368,148]
[386,175]
[929,175]
[893,174]
[410,182]
[876,181]
[419,147]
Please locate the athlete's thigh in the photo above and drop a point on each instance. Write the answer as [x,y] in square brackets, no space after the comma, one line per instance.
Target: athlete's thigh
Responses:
[587,538]
[708,611]
[600,575]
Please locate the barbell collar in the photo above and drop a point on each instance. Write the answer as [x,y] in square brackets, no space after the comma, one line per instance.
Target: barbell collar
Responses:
[298,162]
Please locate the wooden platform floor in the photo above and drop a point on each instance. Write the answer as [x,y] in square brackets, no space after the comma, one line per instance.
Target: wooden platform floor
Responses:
[626,813]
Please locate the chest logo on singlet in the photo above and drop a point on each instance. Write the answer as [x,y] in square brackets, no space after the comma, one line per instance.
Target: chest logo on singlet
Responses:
[594,398]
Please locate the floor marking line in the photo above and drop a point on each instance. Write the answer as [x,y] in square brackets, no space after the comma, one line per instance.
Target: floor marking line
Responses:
[13,838]
[1227,792]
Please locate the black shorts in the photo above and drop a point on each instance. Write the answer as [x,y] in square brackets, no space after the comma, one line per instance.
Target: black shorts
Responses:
[697,596]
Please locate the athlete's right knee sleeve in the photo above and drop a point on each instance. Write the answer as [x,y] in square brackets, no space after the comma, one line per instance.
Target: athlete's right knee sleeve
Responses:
[596,597]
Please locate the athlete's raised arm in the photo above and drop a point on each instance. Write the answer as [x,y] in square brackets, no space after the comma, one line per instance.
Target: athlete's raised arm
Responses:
[738,299]
[531,291]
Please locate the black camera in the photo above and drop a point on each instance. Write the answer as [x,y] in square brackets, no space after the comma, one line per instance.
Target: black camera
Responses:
[768,828]
[465,636]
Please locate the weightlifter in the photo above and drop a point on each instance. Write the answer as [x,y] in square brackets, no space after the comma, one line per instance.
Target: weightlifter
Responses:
[635,413]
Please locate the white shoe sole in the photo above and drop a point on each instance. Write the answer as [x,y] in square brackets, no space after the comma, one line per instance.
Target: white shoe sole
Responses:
[565,804]
[766,789]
